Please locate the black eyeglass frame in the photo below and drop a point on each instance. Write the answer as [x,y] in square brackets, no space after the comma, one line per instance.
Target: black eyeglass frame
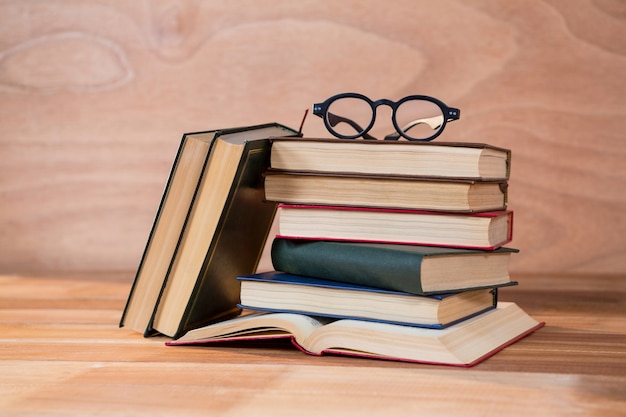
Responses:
[321,110]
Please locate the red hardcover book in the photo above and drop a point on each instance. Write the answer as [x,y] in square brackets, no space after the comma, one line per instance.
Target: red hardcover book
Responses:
[484,230]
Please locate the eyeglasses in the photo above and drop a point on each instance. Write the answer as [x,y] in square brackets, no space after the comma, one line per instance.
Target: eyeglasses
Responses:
[418,118]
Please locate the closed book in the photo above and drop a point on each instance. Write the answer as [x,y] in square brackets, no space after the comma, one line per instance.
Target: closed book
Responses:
[484,230]
[414,269]
[211,226]
[464,344]
[167,227]
[382,190]
[281,292]
[441,159]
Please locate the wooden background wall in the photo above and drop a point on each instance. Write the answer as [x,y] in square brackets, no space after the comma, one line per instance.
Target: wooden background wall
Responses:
[95,95]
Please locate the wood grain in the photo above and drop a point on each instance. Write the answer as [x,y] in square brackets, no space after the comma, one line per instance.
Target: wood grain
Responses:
[95,96]
[63,354]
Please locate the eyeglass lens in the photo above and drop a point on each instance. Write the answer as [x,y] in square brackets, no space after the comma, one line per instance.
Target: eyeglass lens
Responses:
[418,119]
[349,116]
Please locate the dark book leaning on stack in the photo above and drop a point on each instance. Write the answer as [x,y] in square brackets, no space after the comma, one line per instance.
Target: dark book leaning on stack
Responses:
[210,226]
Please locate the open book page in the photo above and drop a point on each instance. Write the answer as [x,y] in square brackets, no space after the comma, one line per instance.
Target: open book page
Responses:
[255,326]
[462,344]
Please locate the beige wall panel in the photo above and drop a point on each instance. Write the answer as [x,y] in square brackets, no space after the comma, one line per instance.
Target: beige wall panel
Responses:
[95,95]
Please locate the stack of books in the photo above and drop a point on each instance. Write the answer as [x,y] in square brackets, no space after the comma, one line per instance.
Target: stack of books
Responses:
[386,249]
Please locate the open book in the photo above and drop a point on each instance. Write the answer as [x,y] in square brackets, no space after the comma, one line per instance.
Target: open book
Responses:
[464,344]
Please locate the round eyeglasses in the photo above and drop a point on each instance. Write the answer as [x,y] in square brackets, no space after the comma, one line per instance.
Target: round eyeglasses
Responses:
[418,118]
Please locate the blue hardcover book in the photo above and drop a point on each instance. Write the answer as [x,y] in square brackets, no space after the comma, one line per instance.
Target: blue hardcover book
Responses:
[282,292]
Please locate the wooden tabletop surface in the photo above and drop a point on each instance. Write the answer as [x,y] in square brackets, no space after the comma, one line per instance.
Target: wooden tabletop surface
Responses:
[62,353]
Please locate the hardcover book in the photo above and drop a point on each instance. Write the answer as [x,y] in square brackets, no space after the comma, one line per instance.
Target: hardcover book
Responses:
[484,230]
[166,229]
[465,344]
[477,161]
[288,293]
[210,227]
[388,191]
[421,270]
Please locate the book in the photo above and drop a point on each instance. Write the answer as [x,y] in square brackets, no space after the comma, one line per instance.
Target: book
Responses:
[287,293]
[421,270]
[477,161]
[388,191]
[464,344]
[212,209]
[484,230]
[166,229]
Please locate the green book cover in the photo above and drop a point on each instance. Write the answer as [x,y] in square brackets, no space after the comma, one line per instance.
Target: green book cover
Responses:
[414,269]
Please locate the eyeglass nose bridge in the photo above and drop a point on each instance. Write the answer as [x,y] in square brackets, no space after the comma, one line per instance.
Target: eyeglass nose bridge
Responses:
[383,101]
[375,104]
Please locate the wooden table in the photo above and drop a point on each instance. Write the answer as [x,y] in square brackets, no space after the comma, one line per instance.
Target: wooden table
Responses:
[62,353]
